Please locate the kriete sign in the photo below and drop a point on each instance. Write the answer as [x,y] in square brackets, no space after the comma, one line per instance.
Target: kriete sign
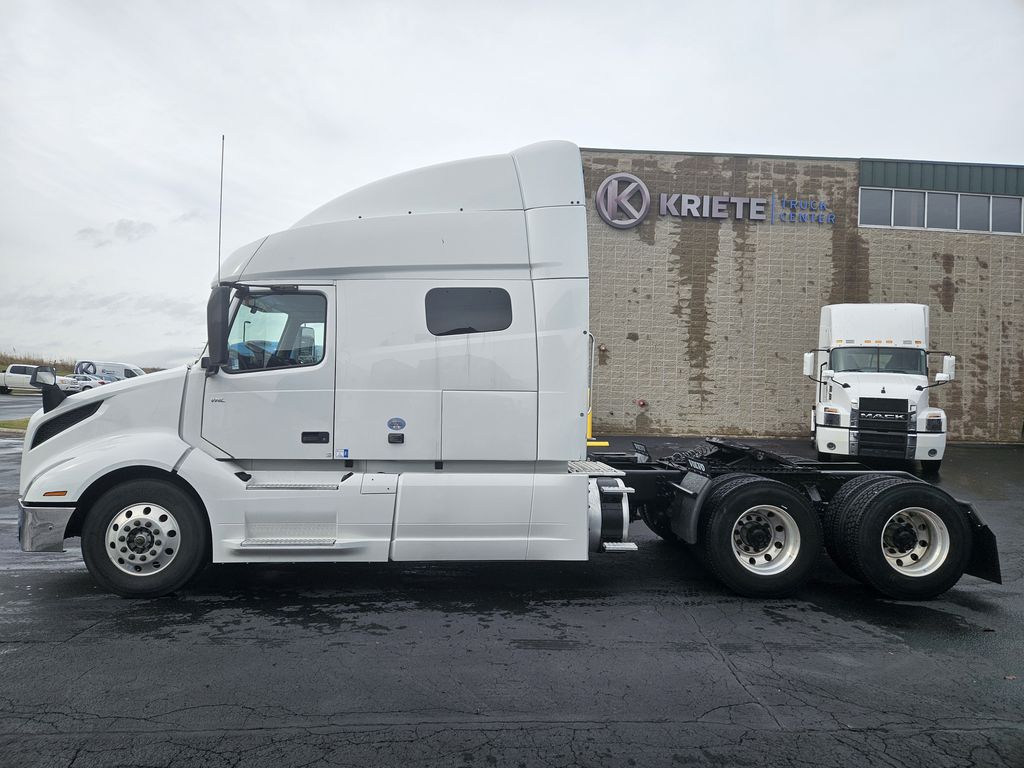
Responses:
[623,201]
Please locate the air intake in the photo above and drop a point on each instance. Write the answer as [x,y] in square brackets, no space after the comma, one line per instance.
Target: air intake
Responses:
[66,420]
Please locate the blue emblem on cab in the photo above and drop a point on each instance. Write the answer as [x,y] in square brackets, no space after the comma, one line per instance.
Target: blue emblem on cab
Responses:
[396,424]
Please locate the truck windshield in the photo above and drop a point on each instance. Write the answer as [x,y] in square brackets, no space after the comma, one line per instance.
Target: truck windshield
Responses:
[879,360]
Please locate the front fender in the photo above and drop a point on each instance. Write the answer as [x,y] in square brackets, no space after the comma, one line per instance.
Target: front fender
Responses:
[72,471]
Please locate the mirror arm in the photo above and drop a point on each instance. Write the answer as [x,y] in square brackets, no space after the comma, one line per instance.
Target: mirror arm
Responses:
[923,387]
[842,384]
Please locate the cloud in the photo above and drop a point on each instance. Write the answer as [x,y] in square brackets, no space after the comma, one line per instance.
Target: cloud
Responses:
[189,216]
[126,229]
[123,230]
[93,236]
[100,307]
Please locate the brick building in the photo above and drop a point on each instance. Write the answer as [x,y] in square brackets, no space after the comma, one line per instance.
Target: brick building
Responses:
[704,298]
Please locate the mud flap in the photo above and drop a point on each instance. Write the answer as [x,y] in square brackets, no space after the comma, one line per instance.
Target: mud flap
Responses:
[984,562]
[684,513]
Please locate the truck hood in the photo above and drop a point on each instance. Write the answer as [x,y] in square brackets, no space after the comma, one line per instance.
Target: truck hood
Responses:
[151,382]
[898,386]
[148,404]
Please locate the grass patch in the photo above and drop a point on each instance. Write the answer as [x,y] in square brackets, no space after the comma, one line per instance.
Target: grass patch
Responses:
[14,424]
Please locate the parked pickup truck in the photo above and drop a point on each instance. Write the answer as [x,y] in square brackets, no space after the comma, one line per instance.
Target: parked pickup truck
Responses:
[17,376]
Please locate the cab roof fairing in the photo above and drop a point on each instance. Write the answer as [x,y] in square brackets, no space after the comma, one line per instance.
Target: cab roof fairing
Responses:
[518,215]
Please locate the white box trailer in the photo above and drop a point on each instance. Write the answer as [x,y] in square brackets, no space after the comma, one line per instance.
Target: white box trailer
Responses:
[871,371]
[401,376]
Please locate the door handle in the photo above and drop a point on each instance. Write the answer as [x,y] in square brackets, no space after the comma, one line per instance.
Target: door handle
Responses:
[316,437]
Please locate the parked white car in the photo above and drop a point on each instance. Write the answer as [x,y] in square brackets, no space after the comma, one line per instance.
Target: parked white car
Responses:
[87,381]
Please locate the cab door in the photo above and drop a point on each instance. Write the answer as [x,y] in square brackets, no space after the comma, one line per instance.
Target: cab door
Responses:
[275,398]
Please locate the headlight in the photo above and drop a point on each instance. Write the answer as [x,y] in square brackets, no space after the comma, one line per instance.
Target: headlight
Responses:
[933,423]
[831,416]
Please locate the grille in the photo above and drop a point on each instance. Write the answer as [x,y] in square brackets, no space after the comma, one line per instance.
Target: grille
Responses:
[66,420]
[883,414]
[888,444]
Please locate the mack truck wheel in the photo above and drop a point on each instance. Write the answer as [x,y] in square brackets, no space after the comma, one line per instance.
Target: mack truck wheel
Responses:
[909,540]
[759,537]
[847,495]
[145,538]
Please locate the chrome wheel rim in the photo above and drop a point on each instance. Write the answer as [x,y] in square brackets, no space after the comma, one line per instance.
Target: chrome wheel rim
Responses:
[765,540]
[142,539]
[915,542]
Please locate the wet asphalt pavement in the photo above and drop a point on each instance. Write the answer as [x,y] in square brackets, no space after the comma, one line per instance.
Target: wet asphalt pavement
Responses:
[19,406]
[631,659]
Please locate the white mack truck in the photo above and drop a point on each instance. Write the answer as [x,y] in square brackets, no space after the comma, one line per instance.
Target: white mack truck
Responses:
[359,366]
[871,368]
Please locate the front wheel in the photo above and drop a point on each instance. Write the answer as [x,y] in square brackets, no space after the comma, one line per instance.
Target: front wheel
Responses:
[760,537]
[145,538]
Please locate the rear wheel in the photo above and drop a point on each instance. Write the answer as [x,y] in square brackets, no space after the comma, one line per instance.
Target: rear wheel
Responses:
[759,537]
[145,538]
[847,495]
[908,540]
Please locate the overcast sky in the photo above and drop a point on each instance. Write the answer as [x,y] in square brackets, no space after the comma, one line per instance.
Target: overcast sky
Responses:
[111,115]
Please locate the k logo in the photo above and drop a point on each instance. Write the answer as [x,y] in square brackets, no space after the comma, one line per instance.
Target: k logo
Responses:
[623,200]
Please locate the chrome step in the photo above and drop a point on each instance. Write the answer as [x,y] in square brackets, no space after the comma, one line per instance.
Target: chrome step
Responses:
[286,543]
[594,469]
[618,546]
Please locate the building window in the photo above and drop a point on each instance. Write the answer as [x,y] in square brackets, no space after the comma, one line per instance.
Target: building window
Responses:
[915,209]
[908,209]
[454,311]
[876,207]
[942,210]
[974,212]
[1006,214]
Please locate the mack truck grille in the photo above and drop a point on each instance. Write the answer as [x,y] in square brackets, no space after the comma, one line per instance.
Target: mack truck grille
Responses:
[882,426]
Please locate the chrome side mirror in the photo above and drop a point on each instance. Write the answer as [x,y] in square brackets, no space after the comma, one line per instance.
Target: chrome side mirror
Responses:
[808,363]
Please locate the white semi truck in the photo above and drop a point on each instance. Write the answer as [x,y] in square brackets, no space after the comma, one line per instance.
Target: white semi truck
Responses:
[871,371]
[403,376]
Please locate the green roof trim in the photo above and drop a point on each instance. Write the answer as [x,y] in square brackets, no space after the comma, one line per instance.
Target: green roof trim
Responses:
[943,177]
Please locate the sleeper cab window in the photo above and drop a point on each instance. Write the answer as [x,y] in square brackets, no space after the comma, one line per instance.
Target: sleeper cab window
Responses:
[454,311]
[277,330]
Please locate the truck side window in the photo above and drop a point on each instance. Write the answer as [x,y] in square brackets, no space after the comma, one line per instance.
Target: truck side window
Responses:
[453,311]
[277,330]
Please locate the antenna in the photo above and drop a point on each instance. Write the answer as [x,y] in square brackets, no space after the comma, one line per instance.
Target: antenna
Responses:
[220,208]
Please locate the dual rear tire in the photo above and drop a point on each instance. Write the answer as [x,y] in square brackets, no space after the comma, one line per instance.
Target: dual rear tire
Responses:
[759,537]
[907,539]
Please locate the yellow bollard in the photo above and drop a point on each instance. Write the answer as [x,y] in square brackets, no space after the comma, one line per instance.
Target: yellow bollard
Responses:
[591,442]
